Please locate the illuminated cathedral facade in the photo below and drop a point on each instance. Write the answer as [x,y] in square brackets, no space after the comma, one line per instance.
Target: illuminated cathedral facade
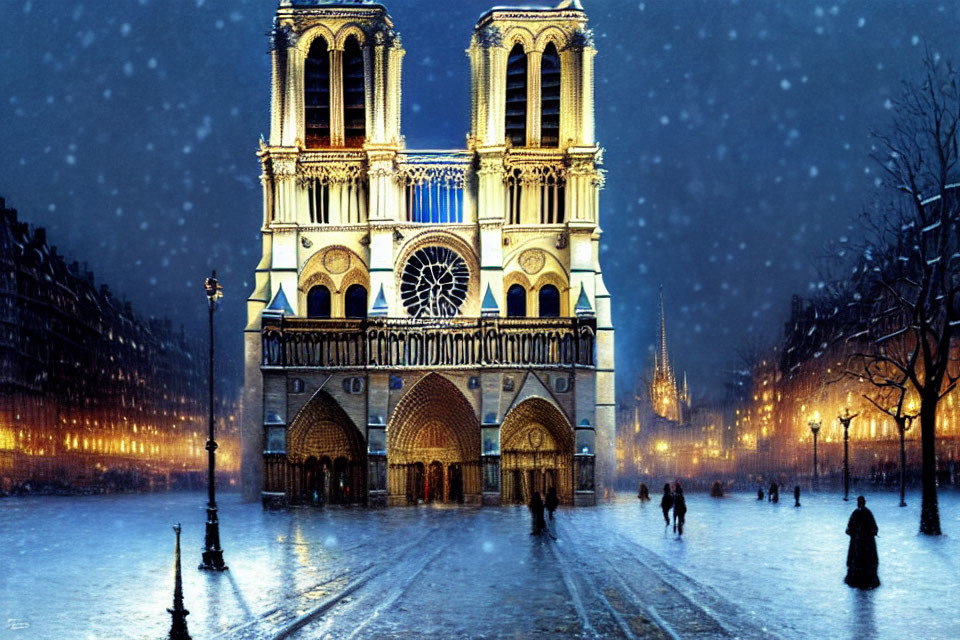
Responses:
[429,326]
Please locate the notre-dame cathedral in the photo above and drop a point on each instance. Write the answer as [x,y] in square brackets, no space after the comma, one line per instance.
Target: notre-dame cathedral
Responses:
[429,326]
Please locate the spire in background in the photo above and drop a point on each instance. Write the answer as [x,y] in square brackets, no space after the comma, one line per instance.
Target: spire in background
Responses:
[664,358]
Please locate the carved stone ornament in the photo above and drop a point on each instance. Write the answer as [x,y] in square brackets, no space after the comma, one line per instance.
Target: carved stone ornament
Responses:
[532,261]
[535,438]
[306,242]
[336,261]
[490,36]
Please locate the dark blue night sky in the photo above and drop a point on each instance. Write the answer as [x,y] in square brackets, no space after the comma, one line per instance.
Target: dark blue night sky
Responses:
[736,135]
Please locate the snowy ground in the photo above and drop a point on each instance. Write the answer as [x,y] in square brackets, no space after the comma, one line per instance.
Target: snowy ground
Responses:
[100,567]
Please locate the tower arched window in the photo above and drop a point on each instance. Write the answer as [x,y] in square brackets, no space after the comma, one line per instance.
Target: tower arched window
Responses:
[516,301]
[355,301]
[549,302]
[354,109]
[316,92]
[550,97]
[318,302]
[516,107]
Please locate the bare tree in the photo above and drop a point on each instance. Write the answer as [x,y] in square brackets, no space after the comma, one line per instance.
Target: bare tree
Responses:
[907,281]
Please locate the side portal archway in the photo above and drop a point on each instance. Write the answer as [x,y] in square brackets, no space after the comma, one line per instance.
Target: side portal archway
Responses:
[536,445]
[326,455]
[433,446]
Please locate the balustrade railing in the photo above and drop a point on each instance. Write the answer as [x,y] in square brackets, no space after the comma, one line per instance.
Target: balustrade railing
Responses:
[410,343]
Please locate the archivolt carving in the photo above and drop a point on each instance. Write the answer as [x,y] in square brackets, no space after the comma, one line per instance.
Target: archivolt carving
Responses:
[553,34]
[537,174]
[322,428]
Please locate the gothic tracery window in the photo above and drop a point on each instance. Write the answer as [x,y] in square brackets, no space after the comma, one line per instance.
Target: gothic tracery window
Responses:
[550,97]
[516,107]
[316,89]
[434,283]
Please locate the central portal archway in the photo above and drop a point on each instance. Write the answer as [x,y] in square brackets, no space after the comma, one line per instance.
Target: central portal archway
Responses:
[433,446]
[536,444]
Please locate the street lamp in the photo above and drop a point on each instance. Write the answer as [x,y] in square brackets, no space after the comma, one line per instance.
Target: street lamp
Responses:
[904,422]
[845,420]
[178,627]
[212,553]
[815,429]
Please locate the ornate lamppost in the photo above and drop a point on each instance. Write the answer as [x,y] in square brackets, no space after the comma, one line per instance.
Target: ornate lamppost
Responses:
[212,553]
[178,627]
[904,422]
[845,418]
[815,430]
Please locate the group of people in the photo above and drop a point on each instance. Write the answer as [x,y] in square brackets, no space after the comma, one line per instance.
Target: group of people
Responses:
[537,507]
[862,560]
[674,500]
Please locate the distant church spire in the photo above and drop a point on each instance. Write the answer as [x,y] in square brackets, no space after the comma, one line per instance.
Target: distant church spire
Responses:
[667,396]
[664,357]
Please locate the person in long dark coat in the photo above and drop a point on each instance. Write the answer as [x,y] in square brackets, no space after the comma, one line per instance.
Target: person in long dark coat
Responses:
[666,503]
[796,496]
[759,493]
[679,510]
[862,558]
[774,492]
[538,524]
[552,501]
[643,493]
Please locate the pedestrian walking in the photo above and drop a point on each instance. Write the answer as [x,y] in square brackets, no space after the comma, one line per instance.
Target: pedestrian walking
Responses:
[679,510]
[774,492]
[666,503]
[537,523]
[796,496]
[643,493]
[552,501]
[759,493]
[862,558]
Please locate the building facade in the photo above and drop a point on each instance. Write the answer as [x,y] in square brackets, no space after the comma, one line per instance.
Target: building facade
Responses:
[429,325]
[91,394]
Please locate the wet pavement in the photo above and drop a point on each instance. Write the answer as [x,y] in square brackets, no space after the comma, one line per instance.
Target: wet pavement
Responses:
[101,567]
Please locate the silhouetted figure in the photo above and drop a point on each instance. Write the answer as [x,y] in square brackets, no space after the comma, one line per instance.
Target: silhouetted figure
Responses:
[796,496]
[538,524]
[862,558]
[666,503]
[774,495]
[716,491]
[552,501]
[759,493]
[643,493]
[679,510]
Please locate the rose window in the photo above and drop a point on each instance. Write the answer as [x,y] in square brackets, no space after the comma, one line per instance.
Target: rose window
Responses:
[434,283]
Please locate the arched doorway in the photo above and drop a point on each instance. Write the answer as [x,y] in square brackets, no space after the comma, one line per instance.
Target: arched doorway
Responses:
[435,482]
[433,446]
[326,455]
[536,444]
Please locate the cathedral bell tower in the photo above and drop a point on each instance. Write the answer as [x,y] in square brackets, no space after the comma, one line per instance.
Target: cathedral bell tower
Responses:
[428,325]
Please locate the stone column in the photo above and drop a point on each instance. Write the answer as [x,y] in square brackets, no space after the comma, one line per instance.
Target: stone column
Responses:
[534,99]
[336,99]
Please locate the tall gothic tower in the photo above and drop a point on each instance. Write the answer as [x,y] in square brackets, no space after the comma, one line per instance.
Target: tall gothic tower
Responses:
[429,325]
[668,399]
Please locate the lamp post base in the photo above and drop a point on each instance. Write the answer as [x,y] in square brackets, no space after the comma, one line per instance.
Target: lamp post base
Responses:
[212,558]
